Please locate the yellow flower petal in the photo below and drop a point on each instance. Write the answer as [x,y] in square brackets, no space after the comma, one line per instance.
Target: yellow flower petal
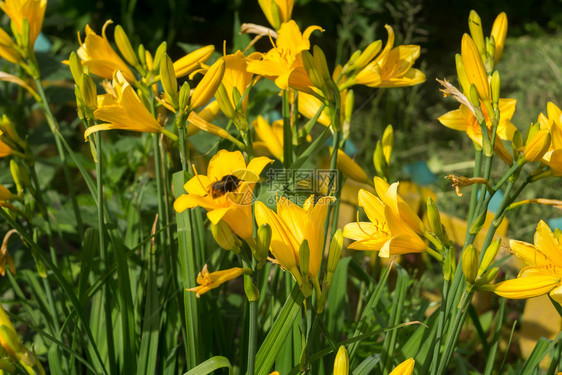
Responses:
[474,67]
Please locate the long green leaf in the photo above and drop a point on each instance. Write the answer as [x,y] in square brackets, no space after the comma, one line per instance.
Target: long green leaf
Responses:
[188,274]
[211,365]
[279,331]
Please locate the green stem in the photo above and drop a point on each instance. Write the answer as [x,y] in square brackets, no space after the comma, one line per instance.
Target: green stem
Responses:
[454,332]
[287,132]
[473,194]
[103,255]
[53,124]
[440,325]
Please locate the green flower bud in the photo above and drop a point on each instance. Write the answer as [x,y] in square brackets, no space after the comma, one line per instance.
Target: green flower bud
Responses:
[478,223]
[470,263]
[251,290]
[475,27]
[159,56]
[264,240]
[125,47]
[169,81]
[434,218]
[489,256]
[495,88]
[185,93]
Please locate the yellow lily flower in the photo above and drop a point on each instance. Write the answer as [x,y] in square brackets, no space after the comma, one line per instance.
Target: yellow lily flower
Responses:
[350,168]
[393,227]
[392,67]
[405,368]
[97,54]
[8,50]
[269,137]
[283,63]
[474,68]
[5,257]
[124,110]
[553,123]
[341,363]
[5,150]
[13,346]
[5,194]
[290,226]
[32,10]
[543,273]
[237,75]
[463,119]
[192,61]
[277,11]
[211,280]
[226,191]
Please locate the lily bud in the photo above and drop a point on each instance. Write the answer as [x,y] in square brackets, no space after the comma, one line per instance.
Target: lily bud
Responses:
[516,143]
[473,96]
[185,94]
[489,256]
[125,47]
[192,61]
[470,263]
[349,104]
[341,364]
[367,55]
[336,247]
[449,264]
[169,81]
[537,145]
[495,88]
[475,27]
[461,74]
[350,168]
[207,87]
[251,290]
[387,142]
[20,176]
[478,223]
[351,62]
[224,102]
[434,218]
[379,160]
[225,237]
[141,51]
[159,55]
[314,72]
[321,64]
[488,276]
[499,32]
[264,240]
[88,91]
[75,67]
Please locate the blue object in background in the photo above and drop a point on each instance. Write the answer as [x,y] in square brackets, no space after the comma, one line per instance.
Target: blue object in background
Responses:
[495,202]
[555,222]
[42,44]
[420,173]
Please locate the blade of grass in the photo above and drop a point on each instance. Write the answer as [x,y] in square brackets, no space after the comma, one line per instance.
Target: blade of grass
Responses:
[496,341]
[395,316]
[188,274]
[211,365]
[67,288]
[273,342]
